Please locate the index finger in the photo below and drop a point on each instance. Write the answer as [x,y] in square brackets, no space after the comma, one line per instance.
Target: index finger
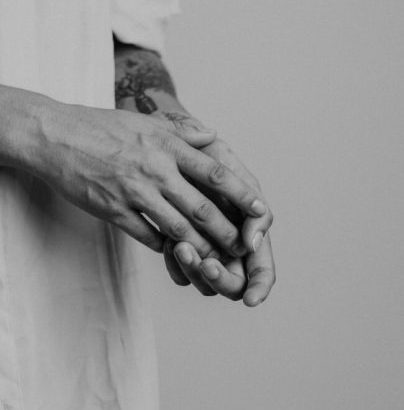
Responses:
[261,274]
[218,177]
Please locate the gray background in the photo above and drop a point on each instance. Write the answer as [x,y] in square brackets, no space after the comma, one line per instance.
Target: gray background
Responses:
[310,94]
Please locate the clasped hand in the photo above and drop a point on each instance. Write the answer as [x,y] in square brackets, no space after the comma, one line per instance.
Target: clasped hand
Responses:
[171,186]
[249,276]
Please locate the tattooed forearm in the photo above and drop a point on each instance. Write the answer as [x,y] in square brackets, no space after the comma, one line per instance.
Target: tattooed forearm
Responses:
[139,74]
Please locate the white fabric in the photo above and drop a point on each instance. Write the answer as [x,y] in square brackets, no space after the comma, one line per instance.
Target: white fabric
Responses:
[150,17]
[75,333]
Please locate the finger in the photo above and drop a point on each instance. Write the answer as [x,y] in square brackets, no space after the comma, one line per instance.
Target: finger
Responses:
[137,227]
[172,266]
[229,281]
[174,225]
[261,274]
[221,179]
[205,215]
[233,214]
[255,229]
[190,129]
[189,260]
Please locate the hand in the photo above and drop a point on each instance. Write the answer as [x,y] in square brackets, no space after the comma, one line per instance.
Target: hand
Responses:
[230,277]
[119,165]
[250,278]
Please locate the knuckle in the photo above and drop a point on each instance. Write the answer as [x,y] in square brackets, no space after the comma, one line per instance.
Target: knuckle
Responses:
[217,173]
[230,237]
[203,212]
[161,174]
[115,210]
[178,230]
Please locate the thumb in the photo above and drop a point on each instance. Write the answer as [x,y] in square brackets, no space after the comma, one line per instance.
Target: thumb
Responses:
[190,129]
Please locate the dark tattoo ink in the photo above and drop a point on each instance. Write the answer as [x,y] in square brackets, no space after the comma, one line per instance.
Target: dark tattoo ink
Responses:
[130,86]
[183,121]
[139,70]
[178,119]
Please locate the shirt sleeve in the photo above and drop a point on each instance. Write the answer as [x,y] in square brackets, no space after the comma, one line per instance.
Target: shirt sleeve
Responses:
[142,22]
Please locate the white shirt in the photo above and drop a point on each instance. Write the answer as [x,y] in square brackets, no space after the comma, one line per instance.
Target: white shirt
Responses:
[75,333]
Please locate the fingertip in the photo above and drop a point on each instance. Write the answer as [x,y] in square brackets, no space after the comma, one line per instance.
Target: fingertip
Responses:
[251,300]
[180,280]
[186,247]
[209,269]
[172,266]
[258,208]
[254,231]
[179,245]
[254,296]
[183,253]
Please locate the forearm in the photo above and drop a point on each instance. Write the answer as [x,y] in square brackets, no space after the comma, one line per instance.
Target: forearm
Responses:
[143,83]
[21,115]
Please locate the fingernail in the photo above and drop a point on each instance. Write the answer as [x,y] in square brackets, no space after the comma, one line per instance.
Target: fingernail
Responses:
[258,207]
[254,301]
[210,271]
[239,249]
[184,255]
[257,241]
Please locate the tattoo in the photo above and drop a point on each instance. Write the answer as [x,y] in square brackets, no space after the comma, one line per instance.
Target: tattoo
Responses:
[137,71]
[130,86]
[178,119]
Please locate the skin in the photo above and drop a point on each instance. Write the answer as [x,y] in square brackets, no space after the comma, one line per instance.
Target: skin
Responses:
[119,166]
[251,277]
[144,85]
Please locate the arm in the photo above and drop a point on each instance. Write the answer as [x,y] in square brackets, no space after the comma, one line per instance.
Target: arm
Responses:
[20,122]
[104,161]
[143,84]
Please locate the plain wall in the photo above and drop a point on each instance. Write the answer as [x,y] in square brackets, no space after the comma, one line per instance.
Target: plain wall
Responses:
[310,94]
